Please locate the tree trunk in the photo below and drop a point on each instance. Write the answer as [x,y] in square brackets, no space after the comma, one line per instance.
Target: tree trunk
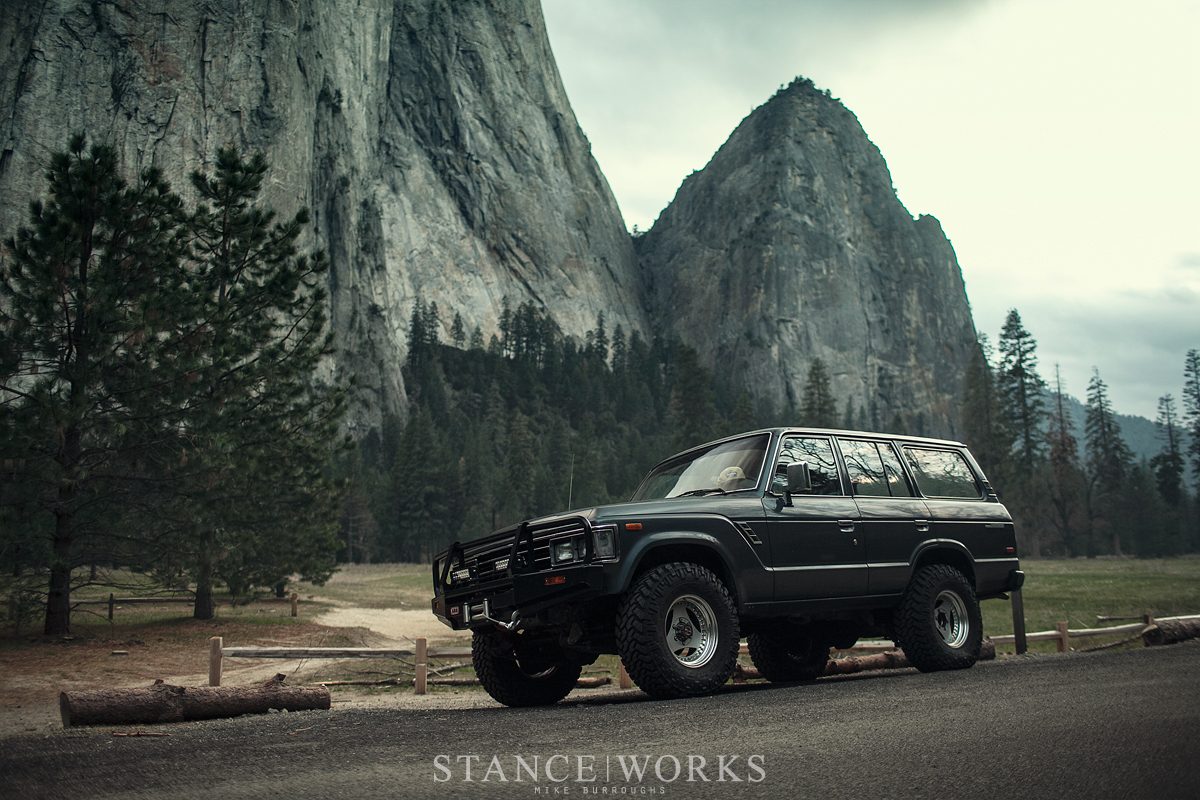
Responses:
[1172,632]
[890,659]
[166,703]
[203,608]
[58,600]
[281,588]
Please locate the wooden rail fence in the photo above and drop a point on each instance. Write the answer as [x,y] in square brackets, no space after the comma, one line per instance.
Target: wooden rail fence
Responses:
[1062,634]
[113,601]
[420,652]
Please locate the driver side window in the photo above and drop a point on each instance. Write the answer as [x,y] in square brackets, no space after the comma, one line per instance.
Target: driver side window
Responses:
[822,464]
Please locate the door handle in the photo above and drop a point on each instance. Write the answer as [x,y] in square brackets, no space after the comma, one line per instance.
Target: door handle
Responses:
[922,525]
[846,525]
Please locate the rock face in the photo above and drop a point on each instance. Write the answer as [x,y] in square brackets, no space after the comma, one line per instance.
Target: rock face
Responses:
[435,146]
[432,140]
[791,245]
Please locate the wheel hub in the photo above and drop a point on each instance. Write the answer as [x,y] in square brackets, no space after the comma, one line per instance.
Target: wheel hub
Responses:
[950,618]
[691,631]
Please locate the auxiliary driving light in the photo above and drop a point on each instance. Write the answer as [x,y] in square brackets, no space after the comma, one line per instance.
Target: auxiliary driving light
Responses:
[564,551]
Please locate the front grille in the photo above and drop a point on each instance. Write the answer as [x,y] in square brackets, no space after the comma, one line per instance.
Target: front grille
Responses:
[487,559]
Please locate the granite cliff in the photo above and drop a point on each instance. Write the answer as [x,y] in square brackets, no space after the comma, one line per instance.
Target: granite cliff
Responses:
[792,245]
[435,145]
[432,140]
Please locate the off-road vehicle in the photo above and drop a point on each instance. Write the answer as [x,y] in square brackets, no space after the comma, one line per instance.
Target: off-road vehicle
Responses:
[797,539]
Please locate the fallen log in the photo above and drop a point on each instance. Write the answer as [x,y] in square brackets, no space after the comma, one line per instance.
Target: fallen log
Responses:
[1166,631]
[163,702]
[891,659]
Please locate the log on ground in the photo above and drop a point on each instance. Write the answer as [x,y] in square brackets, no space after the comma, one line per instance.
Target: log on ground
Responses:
[163,702]
[1172,631]
[891,659]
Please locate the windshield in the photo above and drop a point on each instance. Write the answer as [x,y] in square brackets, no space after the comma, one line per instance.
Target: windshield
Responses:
[725,467]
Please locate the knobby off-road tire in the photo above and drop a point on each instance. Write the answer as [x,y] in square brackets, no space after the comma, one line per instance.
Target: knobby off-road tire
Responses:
[667,610]
[938,624]
[504,679]
[792,656]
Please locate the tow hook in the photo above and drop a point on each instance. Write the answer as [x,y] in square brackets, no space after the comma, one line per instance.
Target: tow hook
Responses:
[512,623]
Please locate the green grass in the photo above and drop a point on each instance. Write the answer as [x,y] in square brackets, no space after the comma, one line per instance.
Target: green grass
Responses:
[376,586]
[1077,590]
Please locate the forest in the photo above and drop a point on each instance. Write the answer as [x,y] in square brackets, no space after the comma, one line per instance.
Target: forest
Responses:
[533,422]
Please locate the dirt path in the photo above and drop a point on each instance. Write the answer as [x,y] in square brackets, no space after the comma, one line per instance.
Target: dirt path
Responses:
[396,624]
[30,680]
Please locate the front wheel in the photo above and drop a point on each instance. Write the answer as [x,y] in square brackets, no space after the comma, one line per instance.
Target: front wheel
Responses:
[677,631]
[526,679]
[938,624]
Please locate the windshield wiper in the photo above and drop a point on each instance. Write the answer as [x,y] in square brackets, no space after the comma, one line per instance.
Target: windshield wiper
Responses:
[698,492]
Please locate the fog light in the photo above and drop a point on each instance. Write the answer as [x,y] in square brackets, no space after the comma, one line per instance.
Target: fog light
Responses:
[606,542]
[563,551]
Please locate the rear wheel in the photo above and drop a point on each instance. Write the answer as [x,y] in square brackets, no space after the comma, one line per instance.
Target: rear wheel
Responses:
[938,624]
[514,678]
[789,655]
[677,631]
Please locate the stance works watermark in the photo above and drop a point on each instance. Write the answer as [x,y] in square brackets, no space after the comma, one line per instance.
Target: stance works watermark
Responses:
[624,774]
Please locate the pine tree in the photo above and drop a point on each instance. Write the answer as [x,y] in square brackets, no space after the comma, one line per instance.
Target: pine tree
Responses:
[1168,465]
[458,333]
[1109,460]
[818,407]
[1021,389]
[981,422]
[1191,408]
[260,425]
[1066,476]
[88,306]
[417,334]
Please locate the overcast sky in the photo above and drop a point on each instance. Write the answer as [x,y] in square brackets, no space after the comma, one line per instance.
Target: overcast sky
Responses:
[1056,140]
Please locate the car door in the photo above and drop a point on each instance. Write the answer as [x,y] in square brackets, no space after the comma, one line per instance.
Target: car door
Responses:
[815,549]
[893,519]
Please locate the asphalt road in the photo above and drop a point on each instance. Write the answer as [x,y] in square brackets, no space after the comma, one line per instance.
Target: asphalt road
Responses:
[1099,725]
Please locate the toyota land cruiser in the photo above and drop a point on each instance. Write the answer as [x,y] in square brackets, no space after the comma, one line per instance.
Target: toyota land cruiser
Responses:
[799,540]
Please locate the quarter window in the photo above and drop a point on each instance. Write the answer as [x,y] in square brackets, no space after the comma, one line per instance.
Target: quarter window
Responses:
[874,469]
[822,465]
[941,473]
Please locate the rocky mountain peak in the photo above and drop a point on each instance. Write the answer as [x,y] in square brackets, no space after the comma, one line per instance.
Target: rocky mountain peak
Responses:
[791,245]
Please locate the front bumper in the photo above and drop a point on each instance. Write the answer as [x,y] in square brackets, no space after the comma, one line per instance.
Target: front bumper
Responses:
[513,602]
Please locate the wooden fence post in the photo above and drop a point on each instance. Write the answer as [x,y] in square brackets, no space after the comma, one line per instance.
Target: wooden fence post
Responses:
[295,604]
[1064,638]
[422,675]
[112,601]
[215,654]
[623,679]
[1018,614]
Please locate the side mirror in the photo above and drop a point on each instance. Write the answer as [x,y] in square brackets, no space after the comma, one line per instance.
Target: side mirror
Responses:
[798,479]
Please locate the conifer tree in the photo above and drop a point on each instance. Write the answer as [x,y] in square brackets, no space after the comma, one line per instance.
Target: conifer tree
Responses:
[1021,389]
[261,427]
[1191,408]
[458,333]
[818,407]
[1066,476]
[1109,459]
[88,361]
[1168,465]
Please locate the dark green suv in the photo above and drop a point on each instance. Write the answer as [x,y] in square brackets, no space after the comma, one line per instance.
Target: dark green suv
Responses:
[797,539]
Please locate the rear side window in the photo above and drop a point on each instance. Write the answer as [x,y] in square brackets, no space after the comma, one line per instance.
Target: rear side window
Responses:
[941,473]
[874,469]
